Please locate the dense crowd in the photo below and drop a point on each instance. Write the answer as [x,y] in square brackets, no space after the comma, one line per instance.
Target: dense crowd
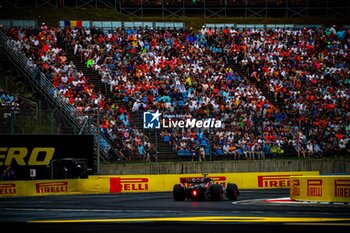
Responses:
[71,84]
[189,72]
[308,71]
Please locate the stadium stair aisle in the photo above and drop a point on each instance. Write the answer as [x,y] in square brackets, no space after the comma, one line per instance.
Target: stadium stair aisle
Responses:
[289,150]
[165,152]
[237,68]
[92,77]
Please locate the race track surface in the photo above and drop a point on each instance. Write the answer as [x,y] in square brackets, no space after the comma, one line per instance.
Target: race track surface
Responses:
[254,211]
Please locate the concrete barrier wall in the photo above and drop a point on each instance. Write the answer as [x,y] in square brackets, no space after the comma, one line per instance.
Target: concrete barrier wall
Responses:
[324,166]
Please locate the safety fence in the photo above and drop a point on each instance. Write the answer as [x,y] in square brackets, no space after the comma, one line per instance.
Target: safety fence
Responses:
[261,26]
[18,23]
[106,26]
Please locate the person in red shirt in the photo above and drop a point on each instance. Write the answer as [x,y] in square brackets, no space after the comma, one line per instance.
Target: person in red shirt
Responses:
[339,135]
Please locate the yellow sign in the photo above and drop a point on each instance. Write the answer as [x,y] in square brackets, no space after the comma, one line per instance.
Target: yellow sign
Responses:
[53,187]
[320,188]
[19,153]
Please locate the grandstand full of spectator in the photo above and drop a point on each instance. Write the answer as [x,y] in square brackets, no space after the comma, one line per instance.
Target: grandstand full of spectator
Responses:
[188,72]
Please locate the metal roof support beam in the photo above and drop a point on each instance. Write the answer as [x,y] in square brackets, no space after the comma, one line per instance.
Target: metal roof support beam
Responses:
[333,12]
[217,13]
[132,13]
[256,12]
[302,12]
[40,3]
[85,3]
[173,13]
[6,3]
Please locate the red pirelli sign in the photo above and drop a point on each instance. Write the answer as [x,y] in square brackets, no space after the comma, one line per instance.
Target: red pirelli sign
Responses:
[7,189]
[295,190]
[52,187]
[342,188]
[274,181]
[118,184]
[314,188]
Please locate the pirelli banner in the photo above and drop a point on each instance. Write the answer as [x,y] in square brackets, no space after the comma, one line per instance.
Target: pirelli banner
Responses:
[154,183]
[144,183]
[320,188]
[24,157]
[53,187]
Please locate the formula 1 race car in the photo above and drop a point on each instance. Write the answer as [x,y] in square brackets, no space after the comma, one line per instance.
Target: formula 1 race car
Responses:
[204,188]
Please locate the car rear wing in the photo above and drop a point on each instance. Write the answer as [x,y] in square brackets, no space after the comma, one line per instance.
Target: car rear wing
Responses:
[195,180]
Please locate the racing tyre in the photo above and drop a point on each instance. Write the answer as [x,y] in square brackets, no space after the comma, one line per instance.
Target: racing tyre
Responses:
[216,192]
[179,193]
[232,192]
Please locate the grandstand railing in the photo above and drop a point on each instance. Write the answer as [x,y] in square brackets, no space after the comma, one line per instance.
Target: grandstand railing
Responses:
[41,83]
[260,26]
[106,26]
[18,23]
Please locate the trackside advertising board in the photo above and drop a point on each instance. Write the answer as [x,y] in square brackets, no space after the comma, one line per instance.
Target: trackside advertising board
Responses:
[320,188]
[144,183]
[32,154]
[156,183]
[53,187]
